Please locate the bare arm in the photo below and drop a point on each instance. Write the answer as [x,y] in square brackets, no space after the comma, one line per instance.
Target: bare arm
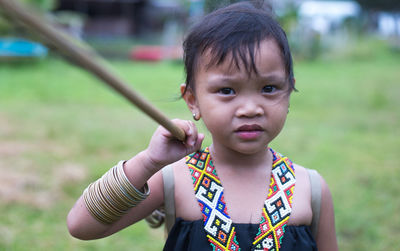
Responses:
[82,225]
[162,150]
[326,235]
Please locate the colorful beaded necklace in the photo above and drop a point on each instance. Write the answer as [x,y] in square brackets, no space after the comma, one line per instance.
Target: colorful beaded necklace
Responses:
[218,225]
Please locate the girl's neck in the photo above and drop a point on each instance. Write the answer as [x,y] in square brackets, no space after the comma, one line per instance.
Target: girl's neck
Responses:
[225,157]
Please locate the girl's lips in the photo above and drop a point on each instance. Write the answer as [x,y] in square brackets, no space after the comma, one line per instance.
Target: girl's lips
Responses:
[249,132]
[253,127]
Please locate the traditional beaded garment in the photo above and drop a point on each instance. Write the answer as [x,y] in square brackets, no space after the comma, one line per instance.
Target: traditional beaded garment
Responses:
[217,223]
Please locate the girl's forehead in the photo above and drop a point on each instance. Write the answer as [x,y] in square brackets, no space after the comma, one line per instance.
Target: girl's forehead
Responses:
[265,57]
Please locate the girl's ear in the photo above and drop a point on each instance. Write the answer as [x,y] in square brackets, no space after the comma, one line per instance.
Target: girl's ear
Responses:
[191,101]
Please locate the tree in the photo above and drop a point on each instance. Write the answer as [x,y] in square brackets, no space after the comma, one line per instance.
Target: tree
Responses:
[374,6]
[211,5]
[7,28]
[44,5]
[381,5]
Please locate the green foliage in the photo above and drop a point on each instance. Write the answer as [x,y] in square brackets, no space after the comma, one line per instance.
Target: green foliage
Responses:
[60,129]
[288,19]
[211,5]
[44,5]
[7,27]
[4,25]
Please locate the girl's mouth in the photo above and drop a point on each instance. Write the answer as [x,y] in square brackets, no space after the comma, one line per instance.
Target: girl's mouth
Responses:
[249,132]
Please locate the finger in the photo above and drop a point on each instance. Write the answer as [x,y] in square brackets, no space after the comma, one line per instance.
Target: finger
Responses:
[196,146]
[199,141]
[179,123]
[192,137]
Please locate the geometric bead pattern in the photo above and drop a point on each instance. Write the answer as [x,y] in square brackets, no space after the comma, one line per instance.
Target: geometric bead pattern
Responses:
[217,223]
[278,205]
[209,193]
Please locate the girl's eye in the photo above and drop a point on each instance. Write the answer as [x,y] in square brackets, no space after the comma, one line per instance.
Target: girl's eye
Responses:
[269,89]
[226,91]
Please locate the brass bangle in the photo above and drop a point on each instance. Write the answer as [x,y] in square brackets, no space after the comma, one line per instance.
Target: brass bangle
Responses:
[111,196]
[90,205]
[106,203]
[112,201]
[132,190]
[121,193]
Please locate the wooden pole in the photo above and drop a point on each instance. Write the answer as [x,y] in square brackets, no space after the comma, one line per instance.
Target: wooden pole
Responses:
[89,60]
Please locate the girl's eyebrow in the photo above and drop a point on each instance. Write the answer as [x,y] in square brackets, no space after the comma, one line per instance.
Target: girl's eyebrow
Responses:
[226,79]
[273,78]
[222,78]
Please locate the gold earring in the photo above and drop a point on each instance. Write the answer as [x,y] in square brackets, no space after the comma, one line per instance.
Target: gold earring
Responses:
[195,117]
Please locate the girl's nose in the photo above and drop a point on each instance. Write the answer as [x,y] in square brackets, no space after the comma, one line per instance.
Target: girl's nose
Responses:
[249,108]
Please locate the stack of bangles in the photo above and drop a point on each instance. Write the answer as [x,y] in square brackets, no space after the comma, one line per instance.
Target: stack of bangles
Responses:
[111,196]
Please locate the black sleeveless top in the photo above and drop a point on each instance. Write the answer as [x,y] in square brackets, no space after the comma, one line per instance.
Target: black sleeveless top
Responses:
[190,236]
[221,233]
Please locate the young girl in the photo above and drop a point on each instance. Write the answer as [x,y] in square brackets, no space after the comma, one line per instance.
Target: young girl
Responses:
[236,193]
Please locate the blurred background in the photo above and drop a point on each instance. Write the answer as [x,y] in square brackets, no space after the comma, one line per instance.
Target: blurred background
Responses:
[60,128]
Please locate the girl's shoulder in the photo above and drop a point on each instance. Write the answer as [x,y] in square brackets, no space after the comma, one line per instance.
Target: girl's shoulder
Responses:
[322,213]
[301,207]
[301,173]
[304,176]
[186,205]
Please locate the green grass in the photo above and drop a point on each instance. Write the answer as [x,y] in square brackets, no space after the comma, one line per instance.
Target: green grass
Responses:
[60,129]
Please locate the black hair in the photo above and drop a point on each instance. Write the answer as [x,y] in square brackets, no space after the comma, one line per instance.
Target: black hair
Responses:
[235,30]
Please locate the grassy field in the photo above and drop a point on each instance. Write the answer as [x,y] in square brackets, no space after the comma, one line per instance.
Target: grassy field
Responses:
[60,129]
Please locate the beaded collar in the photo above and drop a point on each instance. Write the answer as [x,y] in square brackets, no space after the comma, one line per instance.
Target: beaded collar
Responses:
[218,226]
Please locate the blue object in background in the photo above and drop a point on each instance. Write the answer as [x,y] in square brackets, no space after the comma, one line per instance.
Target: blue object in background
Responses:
[21,48]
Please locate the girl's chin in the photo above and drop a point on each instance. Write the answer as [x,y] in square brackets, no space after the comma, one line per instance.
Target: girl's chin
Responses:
[245,143]
[250,148]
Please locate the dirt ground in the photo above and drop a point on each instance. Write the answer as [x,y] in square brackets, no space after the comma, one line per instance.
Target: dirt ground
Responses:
[23,179]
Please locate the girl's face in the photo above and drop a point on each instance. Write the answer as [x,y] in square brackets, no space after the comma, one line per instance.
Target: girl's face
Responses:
[243,112]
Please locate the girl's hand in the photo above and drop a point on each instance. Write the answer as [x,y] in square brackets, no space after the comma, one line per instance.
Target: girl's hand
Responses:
[165,149]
